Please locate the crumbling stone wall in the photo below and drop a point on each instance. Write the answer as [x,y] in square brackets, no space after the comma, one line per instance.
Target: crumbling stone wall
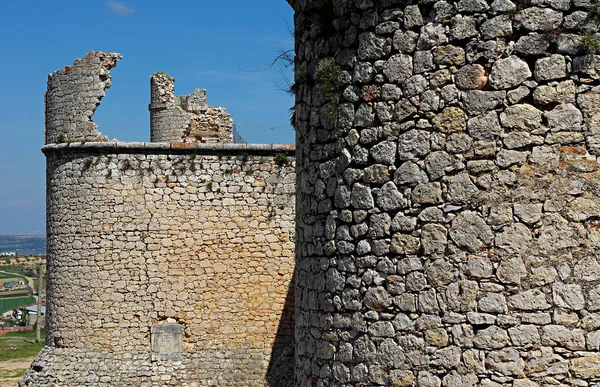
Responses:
[73,96]
[185,118]
[169,263]
[143,237]
[448,193]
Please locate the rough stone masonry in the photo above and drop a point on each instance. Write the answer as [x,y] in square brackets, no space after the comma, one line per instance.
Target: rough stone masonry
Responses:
[448,209]
[73,96]
[169,263]
[447,223]
[185,118]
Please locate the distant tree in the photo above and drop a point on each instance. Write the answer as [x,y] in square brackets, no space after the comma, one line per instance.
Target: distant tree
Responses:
[30,271]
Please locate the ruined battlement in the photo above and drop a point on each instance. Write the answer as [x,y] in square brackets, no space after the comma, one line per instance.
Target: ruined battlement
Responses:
[73,95]
[169,262]
[186,118]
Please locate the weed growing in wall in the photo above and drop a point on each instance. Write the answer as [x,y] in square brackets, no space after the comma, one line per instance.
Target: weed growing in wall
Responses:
[61,138]
[162,73]
[329,76]
[87,163]
[300,78]
[282,159]
[590,44]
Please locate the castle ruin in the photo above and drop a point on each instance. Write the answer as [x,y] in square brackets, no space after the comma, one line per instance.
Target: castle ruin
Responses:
[447,217]
[185,118]
[169,262]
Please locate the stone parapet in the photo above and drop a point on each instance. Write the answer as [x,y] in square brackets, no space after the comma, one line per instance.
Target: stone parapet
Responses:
[199,148]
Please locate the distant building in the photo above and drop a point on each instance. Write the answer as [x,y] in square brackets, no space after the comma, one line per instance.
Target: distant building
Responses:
[17,314]
[32,310]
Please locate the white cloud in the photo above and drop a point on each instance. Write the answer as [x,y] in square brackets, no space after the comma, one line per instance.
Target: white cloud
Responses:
[119,8]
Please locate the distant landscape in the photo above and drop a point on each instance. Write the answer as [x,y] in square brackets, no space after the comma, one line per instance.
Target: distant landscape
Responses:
[23,244]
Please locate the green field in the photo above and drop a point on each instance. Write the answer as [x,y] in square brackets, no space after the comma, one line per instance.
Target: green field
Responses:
[4,277]
[7,304]
[19,345]
[21,270]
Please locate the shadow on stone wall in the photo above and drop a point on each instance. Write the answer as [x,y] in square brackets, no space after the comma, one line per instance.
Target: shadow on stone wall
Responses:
[281,366]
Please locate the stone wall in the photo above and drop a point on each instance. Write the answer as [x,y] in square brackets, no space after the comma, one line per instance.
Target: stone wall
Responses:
[168,264]
[448,193]
[73,96]
[185,118]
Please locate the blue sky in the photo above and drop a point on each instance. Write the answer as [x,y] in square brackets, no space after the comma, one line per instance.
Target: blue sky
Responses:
[203,44]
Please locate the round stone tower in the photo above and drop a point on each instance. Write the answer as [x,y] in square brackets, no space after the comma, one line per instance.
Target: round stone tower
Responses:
[448,193]
[167,121]
[187,118]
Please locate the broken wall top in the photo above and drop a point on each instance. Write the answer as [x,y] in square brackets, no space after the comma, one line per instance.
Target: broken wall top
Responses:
[75,92]
[73,95]
[187,118]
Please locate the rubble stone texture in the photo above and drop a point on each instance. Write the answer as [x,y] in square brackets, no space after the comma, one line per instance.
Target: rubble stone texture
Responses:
[448,193]
[169,264]
[140,235]
[447,226]
[185,118]
[73,96]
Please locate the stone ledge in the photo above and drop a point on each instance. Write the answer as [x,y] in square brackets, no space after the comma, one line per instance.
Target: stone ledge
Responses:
[168,148]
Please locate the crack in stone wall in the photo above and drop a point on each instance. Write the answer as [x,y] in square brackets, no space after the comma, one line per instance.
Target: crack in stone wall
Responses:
[73,95]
